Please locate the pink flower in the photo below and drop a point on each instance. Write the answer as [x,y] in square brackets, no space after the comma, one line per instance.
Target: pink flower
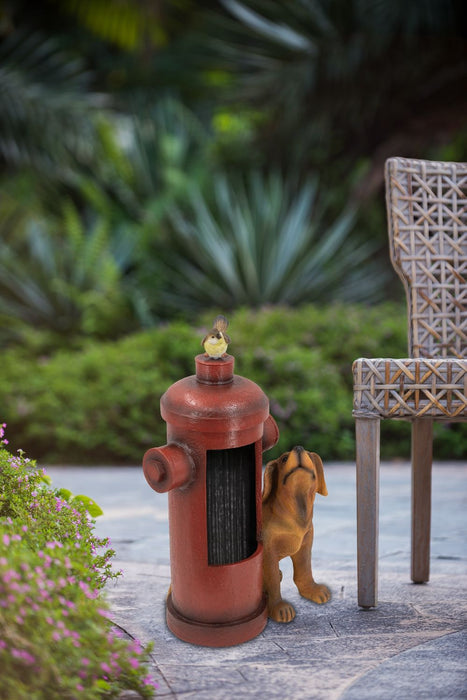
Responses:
[115,666]
[136,647]
[10,575]
[149,681]
[23,655]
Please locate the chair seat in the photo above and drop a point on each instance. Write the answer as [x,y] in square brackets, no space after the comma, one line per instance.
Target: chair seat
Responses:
[410,388]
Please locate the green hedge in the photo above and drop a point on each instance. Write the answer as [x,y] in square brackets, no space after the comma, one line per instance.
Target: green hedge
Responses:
[101,404]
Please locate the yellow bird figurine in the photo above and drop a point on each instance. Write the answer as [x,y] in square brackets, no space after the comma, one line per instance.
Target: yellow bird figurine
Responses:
[216,341]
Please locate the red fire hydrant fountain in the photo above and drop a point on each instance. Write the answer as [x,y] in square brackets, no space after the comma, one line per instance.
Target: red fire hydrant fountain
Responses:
[218,425]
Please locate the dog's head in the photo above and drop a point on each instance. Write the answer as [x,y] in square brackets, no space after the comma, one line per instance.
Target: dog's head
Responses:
[295,469]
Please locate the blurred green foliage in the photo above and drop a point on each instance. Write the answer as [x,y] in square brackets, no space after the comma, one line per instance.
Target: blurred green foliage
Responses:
[101,403]
[261,240]
[158,159]
[126,259]
[346,81]
[63,275]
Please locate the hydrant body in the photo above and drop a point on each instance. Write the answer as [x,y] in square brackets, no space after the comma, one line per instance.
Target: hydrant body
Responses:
[218,426]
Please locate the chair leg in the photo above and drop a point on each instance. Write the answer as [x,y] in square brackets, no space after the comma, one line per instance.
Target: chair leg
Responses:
[367,433]
[422,455]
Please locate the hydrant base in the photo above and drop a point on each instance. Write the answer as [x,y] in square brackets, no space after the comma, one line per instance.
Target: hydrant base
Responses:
[214,634]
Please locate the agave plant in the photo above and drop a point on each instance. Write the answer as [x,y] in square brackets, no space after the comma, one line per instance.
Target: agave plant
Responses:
[263,241]
[65,276]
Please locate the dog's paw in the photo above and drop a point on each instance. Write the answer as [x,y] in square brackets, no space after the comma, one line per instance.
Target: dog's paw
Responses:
[317,592]
[282,612]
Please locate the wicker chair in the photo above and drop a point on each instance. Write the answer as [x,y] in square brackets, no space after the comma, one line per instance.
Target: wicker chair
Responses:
[427,217]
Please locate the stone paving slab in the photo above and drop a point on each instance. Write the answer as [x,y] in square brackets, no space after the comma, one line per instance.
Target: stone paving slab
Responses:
[412,646]
[442,659]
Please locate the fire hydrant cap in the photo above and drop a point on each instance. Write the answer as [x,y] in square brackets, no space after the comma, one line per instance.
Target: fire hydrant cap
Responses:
[209,371]
[214,398]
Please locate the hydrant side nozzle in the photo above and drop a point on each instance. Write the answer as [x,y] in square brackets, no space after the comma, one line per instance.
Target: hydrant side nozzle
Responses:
[270,433]
[168,467]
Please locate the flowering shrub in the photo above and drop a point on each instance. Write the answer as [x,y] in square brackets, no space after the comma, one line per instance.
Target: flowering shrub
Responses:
[55,638]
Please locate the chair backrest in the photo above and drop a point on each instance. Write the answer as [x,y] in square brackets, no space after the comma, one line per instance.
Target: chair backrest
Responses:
[427,217]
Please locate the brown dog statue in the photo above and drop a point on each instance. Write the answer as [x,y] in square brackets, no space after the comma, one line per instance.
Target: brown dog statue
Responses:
[290,485]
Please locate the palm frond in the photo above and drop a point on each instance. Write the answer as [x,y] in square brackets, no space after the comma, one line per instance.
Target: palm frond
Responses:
[126,23]
[46,103]
[339,77]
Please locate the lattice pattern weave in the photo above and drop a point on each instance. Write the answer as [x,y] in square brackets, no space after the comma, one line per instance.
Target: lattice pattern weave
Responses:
[410,388]
[427,215]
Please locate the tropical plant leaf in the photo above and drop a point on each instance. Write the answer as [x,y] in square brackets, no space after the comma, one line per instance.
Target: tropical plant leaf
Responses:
[47,106]
[62,275]
[126,23]
[91,506]
[262,241]
[339,81]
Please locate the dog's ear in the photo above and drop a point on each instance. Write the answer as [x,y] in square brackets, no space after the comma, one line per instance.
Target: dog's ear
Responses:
[270,480]
[316,459]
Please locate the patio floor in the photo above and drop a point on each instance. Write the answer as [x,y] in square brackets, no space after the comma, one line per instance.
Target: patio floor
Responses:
[413,645]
